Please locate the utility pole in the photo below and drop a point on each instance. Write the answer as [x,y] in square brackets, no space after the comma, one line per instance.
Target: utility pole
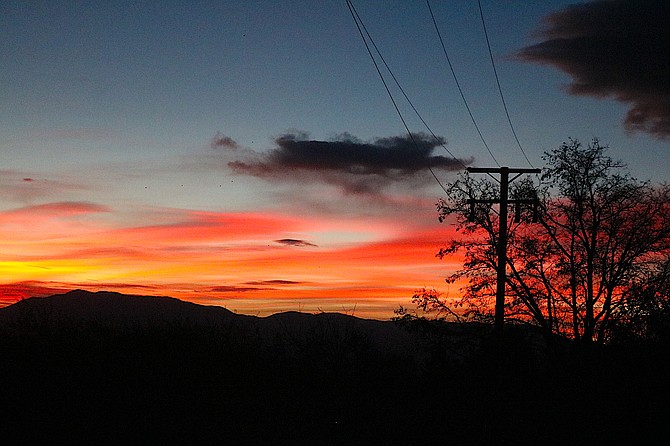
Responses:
[501,249]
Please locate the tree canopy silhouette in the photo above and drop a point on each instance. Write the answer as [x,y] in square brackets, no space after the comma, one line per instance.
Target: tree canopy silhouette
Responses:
[591,262]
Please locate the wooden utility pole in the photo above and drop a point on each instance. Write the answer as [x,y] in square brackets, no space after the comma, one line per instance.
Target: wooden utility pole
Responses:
[501,249]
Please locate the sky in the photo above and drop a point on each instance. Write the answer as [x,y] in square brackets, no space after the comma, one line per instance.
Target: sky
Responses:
[248,154]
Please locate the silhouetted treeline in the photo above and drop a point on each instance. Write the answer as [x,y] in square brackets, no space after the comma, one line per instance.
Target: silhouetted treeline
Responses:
[587,248]
[319,379]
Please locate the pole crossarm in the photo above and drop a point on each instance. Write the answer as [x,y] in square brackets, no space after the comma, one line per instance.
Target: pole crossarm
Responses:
[512,201]
[502,169]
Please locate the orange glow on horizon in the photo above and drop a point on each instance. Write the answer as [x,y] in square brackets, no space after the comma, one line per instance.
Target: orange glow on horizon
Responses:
[250,262]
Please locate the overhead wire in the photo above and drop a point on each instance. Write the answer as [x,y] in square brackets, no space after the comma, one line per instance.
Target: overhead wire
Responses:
[495,72]
[355,16]
[458,85]
[402,90]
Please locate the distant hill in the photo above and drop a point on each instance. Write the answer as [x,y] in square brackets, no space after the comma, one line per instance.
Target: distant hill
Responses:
[110,308]
[121,311]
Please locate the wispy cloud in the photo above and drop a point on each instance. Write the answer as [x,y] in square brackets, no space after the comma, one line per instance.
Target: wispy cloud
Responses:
[221,141]
[54,210]
[254,286]
[47,222]
[614,48]
[25,188]
[294,242]
[188,226]
[274,282]
[233,289]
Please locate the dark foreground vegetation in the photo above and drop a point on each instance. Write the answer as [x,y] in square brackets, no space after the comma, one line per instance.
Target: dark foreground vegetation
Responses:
[202,375]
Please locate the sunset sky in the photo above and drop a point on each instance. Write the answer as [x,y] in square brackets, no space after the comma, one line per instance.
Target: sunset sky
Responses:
[247,153]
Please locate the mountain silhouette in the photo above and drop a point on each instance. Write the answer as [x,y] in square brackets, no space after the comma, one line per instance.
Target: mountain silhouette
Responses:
[110,308]
[122,311]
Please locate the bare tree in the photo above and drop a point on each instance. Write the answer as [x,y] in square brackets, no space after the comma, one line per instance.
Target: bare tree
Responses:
[582,263]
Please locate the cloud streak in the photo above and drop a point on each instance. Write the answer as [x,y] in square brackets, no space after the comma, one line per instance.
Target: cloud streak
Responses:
[274,282]
[294,242]
[614,48]
[254,286]
[25,188]
[353,165]
[55,210]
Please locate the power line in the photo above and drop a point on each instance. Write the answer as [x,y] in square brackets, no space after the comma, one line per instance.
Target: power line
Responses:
[354,15]
[458,85]
[402,90]
[495,72]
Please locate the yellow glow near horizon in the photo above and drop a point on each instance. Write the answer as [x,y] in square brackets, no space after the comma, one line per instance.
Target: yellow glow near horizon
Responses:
[251,259]
[49,269]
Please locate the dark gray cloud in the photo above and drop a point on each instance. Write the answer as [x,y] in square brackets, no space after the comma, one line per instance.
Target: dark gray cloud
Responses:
[294,242]
[614,48]
[221,141]
[357,166]
[383,156]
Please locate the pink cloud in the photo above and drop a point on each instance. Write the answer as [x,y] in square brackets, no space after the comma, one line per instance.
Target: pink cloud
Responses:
[24,187]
